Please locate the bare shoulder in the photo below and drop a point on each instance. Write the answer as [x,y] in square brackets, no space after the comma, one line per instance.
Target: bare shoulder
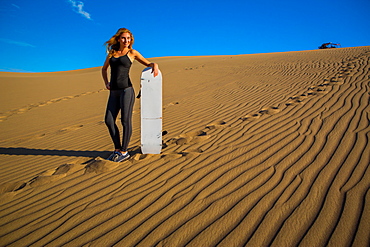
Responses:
[134,53]
[137,56]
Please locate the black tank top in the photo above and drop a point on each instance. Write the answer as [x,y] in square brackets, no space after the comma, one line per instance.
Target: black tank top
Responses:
[120,68]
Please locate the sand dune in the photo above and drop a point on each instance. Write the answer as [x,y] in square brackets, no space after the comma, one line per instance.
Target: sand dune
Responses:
[259,150]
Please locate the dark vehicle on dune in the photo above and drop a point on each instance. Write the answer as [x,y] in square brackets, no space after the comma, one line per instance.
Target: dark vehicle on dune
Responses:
[329,45]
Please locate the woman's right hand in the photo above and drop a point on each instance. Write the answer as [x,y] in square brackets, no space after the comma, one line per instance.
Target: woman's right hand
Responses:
[104,73]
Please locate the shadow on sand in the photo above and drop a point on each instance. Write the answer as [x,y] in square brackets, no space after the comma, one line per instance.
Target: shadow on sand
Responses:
[70,153]
[31,151]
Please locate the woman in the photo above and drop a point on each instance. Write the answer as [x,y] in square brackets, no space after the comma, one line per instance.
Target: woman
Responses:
[122,95]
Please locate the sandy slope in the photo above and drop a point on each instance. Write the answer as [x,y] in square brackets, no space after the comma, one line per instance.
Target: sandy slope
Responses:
[260,150]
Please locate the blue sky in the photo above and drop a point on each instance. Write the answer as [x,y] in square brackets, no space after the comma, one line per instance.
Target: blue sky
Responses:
[60,35]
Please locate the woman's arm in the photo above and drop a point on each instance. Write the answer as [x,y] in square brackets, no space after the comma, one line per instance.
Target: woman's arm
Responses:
[145,62]
[104,73]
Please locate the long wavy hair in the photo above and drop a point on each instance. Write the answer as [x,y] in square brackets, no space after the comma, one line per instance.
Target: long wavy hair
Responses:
[112,44]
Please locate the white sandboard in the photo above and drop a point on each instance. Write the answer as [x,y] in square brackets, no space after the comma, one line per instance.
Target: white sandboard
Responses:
[151,112]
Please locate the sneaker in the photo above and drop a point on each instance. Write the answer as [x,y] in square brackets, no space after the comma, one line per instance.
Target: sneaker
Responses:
[121,157]
[114,156]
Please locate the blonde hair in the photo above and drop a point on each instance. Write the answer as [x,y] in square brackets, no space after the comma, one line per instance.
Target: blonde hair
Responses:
[113,43]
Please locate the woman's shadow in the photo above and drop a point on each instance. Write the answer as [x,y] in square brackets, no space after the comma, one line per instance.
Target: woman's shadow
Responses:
[32,151]
[69,153]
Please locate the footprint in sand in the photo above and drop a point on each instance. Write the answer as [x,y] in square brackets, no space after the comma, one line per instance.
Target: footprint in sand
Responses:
[251,117]
[11,187]
[336,80]
[297,99]
[193,150]
[216,125]
[189,138]
[23,110]
[100,165]
[270,110]
[185,153]
[347,70]
[43,103]
[71,128]
[318,90]
[172,156]
[53,174]
[170,104]
[194,67]
[312,91]
[139,156]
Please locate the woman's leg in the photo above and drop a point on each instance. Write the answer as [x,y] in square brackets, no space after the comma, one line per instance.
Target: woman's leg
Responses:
[113,108]
[127,104]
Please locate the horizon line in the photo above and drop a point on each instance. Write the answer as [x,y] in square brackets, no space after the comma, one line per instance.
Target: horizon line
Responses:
[74,70]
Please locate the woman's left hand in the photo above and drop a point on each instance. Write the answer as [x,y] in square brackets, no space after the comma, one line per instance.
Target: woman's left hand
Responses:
[155,69]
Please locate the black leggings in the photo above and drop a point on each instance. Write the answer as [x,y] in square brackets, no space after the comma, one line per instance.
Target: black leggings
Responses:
[123,100]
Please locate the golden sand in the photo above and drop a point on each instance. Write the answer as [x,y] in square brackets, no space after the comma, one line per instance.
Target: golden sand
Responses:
[261,150]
